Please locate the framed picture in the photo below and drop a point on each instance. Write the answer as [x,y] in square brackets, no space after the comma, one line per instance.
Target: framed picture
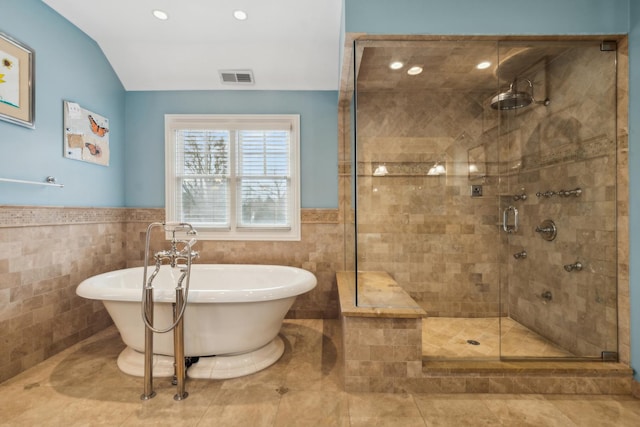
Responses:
[86,135]
[17,85]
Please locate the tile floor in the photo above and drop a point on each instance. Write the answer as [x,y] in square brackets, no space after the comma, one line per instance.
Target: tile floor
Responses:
[83,387]
[446,338]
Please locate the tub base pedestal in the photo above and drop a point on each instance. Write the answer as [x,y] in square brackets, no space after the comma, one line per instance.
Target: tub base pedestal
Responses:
[216,367]
[223,367]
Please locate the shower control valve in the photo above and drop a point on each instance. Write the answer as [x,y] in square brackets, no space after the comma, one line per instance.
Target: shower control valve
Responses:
[547,229]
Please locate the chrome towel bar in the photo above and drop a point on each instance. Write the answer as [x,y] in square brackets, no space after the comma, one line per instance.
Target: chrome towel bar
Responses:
[50,182]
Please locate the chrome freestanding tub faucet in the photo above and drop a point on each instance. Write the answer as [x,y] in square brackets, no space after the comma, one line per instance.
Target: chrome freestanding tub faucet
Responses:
[173,256]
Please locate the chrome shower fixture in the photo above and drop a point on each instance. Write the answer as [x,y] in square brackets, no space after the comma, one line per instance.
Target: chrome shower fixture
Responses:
[576,266]
[513,99]
[520,255]
[522,196]
[547,229]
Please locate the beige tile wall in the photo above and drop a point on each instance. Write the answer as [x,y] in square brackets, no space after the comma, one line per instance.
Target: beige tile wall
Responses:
[570,144]
[427,231]
[381,353]
[46,252]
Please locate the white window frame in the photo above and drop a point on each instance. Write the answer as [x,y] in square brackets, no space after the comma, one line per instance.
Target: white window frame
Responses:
[174,122]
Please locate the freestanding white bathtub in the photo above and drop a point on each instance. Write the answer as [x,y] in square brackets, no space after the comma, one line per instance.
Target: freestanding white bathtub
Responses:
[234,312]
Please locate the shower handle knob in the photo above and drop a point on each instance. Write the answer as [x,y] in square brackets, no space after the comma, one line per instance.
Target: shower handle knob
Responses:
[547,229]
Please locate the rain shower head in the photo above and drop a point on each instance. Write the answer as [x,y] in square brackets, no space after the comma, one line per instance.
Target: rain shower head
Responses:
[512,99]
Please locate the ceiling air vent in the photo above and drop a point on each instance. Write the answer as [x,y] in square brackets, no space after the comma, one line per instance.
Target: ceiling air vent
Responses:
[243,77]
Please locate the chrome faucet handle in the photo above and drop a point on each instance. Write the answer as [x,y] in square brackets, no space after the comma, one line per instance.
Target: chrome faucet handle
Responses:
[544,229]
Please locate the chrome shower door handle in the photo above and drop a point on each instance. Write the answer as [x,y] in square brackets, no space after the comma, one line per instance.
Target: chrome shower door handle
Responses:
[505,220]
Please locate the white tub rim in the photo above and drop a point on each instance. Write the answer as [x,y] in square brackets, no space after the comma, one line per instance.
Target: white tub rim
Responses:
[292,281]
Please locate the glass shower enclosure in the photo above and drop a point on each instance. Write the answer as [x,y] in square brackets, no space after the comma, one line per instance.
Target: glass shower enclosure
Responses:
[485,186]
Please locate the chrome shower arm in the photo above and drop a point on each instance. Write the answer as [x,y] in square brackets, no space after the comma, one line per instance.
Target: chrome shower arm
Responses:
[544,102]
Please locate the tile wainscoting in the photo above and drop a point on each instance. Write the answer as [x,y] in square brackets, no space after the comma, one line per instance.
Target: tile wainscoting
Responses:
[45,252]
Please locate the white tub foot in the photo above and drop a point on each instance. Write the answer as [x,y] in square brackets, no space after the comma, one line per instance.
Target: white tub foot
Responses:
[216,367]
[223,367]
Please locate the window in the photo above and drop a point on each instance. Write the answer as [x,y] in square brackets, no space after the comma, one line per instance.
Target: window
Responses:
[234,177]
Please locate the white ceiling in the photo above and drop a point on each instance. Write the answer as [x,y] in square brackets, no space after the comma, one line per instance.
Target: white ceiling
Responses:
[288,44]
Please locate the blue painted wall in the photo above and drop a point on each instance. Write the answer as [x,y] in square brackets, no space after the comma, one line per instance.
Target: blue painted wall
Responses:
[318,111]
[567,17]
[473,17]
[69,66]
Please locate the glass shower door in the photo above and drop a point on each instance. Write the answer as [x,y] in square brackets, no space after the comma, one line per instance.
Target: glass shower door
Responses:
[556,159]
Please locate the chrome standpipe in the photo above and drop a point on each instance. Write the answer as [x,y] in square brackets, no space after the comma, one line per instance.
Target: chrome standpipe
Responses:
[147,317]
[148,345]
[173,256]
[178,343]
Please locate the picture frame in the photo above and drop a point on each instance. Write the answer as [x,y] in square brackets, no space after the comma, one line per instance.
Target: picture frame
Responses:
[17,82]
[86,135]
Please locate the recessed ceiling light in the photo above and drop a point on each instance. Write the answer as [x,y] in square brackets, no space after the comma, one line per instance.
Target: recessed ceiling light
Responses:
[240,15]
[413,71]
[396,65]
[160,14]
[483,65]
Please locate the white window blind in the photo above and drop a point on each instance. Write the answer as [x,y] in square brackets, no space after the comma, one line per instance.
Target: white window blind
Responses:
[263,178]
[234,177]
[202,176]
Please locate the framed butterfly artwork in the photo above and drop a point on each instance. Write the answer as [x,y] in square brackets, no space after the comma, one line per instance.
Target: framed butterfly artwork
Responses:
[86,135]
[17,84]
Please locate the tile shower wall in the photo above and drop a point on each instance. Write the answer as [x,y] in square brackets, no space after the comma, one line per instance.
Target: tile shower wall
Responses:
[569,144]
[426,231]
[46,252]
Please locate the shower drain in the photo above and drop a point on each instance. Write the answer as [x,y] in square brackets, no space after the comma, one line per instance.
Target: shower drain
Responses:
[473,342]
